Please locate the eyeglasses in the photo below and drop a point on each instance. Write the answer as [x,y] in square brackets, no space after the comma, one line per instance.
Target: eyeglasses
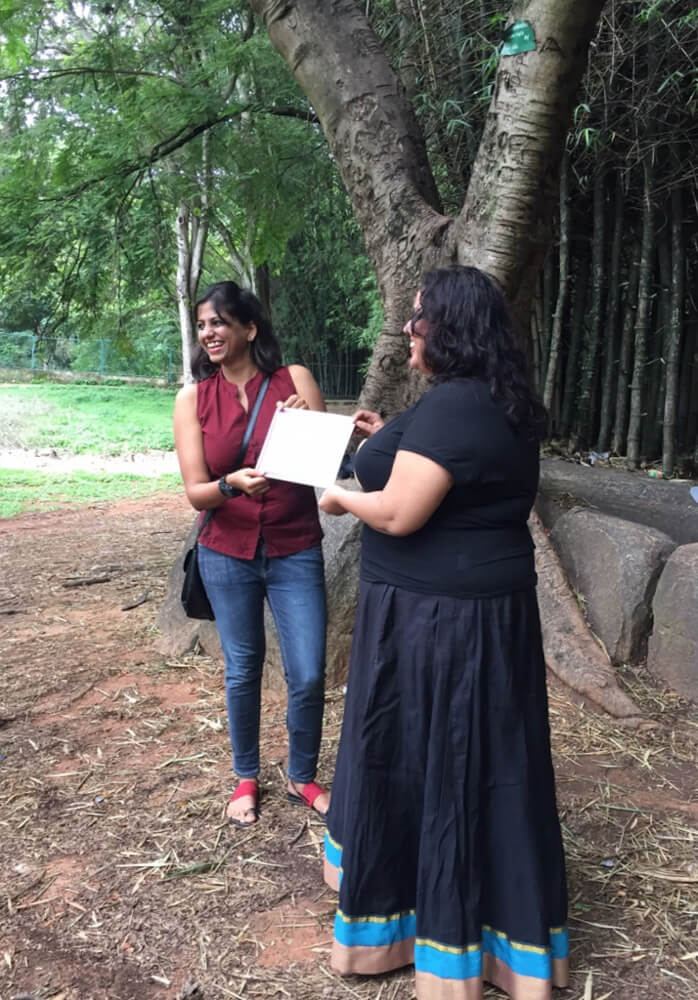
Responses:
[415,318]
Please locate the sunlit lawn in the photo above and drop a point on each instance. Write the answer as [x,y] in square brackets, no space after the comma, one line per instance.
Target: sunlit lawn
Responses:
[77,419]
[106,419]
[22,491]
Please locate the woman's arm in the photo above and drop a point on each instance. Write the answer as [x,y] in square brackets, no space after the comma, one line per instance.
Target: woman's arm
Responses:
[308,395]
[416,487]
[201,492]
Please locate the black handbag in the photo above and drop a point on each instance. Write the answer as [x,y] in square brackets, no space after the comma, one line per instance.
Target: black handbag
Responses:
[194,597]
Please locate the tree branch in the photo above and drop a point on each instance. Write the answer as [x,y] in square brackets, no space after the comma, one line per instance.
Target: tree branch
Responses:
[42,75]
[163,149]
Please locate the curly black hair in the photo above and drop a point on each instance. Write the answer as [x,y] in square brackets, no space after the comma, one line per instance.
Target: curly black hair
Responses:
[233,302]
[469,334]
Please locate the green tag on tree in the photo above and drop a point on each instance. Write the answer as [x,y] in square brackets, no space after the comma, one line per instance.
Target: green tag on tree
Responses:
[518,37]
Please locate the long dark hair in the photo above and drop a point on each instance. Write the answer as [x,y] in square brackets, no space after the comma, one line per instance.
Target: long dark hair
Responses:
[470,335]
[228,298]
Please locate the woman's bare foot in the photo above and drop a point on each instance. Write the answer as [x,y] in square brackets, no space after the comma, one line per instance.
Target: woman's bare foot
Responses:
[319,803]
[242,807]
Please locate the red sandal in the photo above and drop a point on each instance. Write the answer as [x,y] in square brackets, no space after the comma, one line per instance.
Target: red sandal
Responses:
[248,786]
[308,796]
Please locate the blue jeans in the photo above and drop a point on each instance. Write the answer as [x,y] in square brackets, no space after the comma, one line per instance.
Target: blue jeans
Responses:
[295,588]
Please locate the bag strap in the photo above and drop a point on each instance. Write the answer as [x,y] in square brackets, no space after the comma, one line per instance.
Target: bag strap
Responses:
[243,447]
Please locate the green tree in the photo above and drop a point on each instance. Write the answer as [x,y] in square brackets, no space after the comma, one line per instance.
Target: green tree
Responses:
[151,135]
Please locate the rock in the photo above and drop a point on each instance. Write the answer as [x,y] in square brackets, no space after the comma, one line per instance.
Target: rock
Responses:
[209,641]
[673,645]
[178,634]
[658,503]
[614,564]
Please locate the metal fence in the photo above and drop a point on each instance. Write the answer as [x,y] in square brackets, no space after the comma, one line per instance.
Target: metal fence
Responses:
[27,352]
[154,360]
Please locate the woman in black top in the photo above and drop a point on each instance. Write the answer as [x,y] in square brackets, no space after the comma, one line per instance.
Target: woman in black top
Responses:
[443,829]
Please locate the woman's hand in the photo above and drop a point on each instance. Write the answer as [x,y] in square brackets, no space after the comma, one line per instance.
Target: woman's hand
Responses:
[250,481]
[329,501]
[294,402]
[367,422]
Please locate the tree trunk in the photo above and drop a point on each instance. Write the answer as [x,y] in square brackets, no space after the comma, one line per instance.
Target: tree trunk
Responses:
[406,30]
[610,337]
[654,369]
[562,287]
[672,339]
[184,302]
[192,231]
[202,221]
[626,351]
[504,225]
[644,306]
[374,137]
[376,141]
[688,386]
[569,392]
[591,343]
[262,286]
[241,261]
[537,333]
[547,324]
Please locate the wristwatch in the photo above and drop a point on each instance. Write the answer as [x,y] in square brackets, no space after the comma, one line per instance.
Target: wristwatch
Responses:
[227,490]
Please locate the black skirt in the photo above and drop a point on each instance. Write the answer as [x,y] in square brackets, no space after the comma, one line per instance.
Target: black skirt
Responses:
[443,836]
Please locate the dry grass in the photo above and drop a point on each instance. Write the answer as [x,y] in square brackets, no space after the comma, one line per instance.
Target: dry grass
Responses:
[121,878]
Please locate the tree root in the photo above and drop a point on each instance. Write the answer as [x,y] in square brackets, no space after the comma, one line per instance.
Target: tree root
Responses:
[571,652]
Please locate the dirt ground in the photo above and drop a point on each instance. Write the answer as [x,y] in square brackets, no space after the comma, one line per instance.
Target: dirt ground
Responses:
[119,879]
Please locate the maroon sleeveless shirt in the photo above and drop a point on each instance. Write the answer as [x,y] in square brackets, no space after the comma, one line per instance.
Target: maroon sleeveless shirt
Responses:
[286,516]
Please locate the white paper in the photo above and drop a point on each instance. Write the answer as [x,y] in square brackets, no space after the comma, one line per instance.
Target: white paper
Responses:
[304,446]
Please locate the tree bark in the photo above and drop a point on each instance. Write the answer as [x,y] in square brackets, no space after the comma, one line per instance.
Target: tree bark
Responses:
[504,225]
[376,141]
[642,319]
[673,334]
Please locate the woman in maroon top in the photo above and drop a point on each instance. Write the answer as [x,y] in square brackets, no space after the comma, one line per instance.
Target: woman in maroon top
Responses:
[263,541]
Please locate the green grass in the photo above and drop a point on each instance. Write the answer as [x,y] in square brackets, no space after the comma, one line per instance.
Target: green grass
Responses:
[23,491]
[103,419]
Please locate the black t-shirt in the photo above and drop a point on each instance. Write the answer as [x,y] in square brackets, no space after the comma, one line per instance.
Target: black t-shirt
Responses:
[477,541]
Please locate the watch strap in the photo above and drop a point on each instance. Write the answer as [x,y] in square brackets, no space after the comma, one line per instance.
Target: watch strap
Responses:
[227,490]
